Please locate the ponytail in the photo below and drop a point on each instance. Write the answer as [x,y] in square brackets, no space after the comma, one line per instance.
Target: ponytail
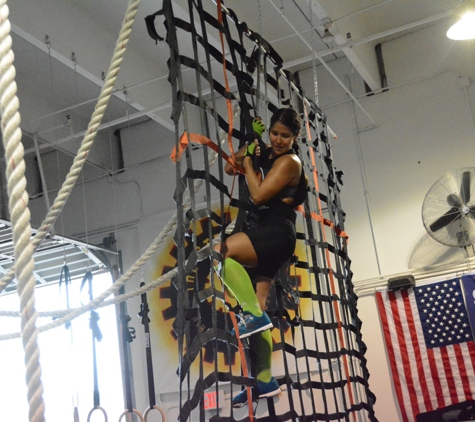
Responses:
[296,147]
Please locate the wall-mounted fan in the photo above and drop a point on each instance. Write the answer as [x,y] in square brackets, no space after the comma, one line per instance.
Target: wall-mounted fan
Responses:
[448,211]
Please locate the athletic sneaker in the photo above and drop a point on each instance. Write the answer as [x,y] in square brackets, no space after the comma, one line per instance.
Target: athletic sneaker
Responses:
[263,390]
[250,324]
[240,400]
[268,389]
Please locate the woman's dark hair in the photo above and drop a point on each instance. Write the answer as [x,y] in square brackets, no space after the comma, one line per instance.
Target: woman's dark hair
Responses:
[288,117]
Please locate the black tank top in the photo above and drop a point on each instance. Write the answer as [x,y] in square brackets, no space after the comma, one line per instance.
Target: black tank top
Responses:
[293,192]
[275,207]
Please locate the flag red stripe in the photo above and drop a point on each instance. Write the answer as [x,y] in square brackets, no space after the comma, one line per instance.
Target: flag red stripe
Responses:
[449,376]
[406,385]
[418,356]
[392,359]
[471,350]
[401,322]
[435,377]
[462,370]
[470,367]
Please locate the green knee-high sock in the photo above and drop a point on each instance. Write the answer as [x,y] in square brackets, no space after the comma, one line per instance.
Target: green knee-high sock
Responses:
[237,280]
[261,344]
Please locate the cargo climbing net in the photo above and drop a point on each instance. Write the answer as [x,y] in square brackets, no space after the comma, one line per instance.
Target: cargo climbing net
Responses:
[313,309]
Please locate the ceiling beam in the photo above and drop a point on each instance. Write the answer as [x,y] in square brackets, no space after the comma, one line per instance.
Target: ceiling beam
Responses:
[335,76]
[347,46]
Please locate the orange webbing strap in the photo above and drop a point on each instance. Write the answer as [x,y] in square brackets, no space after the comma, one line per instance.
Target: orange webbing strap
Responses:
[186,138]
[226,82]
[242,354]
[326,222]
[327,256]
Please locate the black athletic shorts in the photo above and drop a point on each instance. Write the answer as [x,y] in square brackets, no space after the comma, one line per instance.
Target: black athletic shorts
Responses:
[274,243]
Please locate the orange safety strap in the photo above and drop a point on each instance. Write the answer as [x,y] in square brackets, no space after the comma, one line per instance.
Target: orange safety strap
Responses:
[330,271]
[186,138]
[326,222]
[226,82]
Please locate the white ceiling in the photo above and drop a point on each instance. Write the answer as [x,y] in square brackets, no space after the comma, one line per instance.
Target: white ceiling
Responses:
[62,49]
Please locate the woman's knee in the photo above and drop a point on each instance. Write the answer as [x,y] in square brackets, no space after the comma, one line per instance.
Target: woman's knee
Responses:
[238,247]
[221,249]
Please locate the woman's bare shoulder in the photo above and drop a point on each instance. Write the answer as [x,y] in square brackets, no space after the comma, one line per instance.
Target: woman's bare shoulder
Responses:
[291,160]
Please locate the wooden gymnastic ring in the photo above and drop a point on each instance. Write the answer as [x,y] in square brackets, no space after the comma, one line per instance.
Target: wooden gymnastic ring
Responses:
[125,412]
[97,408]
[162,413]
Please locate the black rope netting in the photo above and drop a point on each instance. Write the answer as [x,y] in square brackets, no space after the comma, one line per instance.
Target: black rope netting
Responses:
[318,354]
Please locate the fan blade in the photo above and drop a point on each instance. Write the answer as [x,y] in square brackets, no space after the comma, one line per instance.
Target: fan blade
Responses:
[453,200]
[465,187]
[451,215]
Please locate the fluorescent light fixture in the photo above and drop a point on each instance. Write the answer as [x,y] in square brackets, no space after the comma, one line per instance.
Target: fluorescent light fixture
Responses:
[464,29]
[327,36]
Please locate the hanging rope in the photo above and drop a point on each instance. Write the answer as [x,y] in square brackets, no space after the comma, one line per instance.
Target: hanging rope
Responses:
[96,336]
[143,314]
[18,203]
[20,218]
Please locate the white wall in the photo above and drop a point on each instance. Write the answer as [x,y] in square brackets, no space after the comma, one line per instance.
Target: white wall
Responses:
[424,127]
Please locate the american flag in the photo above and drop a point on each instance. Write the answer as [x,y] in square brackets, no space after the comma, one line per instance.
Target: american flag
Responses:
[430,346]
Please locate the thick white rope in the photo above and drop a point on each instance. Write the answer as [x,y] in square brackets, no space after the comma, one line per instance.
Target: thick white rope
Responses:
[89,137]
[20,218]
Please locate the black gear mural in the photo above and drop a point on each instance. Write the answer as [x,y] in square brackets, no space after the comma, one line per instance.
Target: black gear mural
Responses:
[200,280]
[197,281]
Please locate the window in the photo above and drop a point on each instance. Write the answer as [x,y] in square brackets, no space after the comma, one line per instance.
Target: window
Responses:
[66,358]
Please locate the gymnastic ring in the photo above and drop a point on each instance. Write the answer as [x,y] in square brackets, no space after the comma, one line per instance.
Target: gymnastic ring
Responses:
[125,412]
[162,414]
[97,408]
